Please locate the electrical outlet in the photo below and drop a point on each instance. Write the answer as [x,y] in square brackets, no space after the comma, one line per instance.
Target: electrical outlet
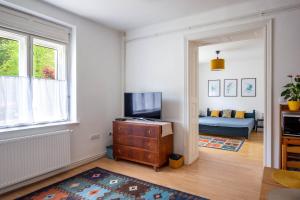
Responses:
[95,137]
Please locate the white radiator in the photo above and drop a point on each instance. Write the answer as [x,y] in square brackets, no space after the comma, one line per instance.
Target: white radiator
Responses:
[26,157]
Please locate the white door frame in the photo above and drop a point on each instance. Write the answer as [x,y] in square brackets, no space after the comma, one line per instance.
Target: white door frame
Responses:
[191,97]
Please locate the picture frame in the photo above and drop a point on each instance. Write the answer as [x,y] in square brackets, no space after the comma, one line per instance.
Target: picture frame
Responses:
[248,87]
[214,88]
[230,87]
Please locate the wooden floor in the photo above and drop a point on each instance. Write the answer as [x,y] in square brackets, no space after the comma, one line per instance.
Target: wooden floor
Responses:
[217,174]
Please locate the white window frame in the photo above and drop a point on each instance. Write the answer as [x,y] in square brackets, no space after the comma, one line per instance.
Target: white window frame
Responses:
[61,52]
[27,62]
[23,43]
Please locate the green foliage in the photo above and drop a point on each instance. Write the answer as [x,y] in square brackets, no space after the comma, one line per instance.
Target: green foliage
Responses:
[9,57]
[292,89]
[43,61]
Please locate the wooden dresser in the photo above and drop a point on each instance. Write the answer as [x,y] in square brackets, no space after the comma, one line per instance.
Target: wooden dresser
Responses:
[142,143]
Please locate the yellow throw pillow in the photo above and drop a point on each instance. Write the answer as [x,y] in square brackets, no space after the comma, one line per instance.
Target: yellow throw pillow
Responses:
[240,114]
[215,113]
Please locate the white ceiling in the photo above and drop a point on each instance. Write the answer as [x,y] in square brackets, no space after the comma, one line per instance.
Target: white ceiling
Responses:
[231,45]
[246,35]
[236,50]
[130,14]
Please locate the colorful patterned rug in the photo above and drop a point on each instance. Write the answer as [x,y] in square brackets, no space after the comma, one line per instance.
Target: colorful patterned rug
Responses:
[100,184]
[227,144]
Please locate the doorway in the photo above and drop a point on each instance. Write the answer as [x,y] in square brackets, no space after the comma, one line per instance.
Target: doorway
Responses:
[231,100]
[192,43]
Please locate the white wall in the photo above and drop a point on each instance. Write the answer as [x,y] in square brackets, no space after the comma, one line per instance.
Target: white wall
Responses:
[98,82]
[243,59]
[164,53]
[153,65]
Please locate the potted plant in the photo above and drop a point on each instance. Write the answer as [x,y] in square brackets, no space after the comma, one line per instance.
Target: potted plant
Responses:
[292,93]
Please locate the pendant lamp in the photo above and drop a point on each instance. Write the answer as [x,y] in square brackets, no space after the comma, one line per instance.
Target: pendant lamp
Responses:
[217,64]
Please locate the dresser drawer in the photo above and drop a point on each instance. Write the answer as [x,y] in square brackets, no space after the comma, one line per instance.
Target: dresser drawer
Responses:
[134,154]
[137,130]
[145,131]
[150,144]
[123,128]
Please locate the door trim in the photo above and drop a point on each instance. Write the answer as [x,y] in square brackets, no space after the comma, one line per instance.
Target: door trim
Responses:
[190,45]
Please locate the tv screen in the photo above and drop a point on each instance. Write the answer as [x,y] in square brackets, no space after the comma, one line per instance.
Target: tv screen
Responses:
[143,105]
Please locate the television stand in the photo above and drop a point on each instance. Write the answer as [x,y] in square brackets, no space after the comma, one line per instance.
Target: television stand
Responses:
[143,142]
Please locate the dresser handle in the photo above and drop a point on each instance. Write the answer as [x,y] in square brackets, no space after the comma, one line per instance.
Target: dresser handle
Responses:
[149,132]
[119,128]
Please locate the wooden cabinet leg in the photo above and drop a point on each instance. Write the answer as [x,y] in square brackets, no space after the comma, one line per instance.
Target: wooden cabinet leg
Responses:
[156,168]
[283,156]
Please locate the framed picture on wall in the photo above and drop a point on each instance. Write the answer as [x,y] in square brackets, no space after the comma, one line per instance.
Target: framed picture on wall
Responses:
[248,87]
[214,88]
[230,87]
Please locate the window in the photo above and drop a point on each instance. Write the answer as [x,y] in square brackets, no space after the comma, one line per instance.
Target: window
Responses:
[12,54]
[9,57]
[48,60]
[33,81]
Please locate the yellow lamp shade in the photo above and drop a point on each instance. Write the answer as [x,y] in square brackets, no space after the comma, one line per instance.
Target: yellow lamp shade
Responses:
[217,64]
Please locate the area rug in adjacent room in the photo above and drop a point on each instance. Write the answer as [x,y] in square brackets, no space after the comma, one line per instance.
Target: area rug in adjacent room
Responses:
[98,184]
[228,144]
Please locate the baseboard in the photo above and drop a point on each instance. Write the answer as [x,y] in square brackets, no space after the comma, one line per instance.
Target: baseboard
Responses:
[53,173]
[85,161]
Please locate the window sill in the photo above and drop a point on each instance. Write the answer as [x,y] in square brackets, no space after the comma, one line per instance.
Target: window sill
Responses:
[5,130]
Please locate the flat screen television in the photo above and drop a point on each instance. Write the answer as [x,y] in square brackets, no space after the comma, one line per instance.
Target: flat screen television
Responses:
[143,105]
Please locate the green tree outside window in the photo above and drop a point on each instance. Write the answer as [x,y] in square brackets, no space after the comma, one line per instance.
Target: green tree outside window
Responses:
[44,59]
[43,62]
[9,57]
